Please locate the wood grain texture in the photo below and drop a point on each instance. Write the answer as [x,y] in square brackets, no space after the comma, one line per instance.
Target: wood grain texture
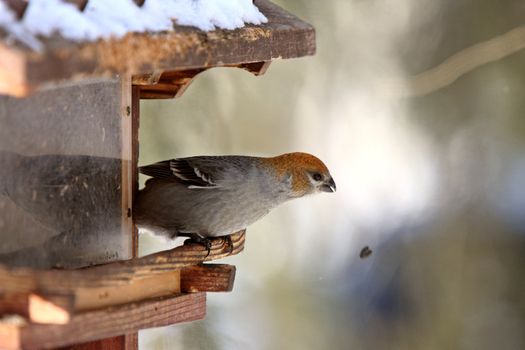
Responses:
[120,273]
[37,308]
[109,322]
[284,36]
[208,278]
[60,308]
[172,84]
[55,296]
[89,298]
[121,342]
[113,343]
[135,124]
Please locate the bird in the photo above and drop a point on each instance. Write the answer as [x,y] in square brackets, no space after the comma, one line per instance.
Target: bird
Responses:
[204,197]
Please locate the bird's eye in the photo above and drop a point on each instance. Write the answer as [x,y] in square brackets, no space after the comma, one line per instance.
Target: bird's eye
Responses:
[317,177]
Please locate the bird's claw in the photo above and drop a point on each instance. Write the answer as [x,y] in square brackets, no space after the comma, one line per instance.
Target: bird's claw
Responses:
[204,241]
[207,242]
[229,242]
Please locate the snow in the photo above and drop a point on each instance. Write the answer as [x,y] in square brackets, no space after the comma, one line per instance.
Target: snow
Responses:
[105,19]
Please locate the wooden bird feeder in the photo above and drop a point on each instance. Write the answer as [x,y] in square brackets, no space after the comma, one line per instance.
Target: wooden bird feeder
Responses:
[69,118]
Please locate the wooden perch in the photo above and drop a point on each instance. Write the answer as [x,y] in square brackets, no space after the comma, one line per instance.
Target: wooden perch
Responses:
[20,280]
[106,322]
[66,292]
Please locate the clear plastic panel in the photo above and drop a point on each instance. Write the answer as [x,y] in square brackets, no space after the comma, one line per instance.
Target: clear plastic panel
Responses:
[60,177]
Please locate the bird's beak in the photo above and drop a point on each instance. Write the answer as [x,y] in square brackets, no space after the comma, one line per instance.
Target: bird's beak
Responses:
[328,186]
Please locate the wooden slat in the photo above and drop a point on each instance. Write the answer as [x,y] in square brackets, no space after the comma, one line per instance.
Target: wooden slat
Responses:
[14,303]
[54,296]
[59,309]
[54,309]
[105,323]
[113,343]
[127,167]
[23,280]
[37,308]
[208,278]
[87,298]
[135,123]
[284,36]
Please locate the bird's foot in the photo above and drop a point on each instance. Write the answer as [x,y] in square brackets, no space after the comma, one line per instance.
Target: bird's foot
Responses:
[229,242]
[204,241]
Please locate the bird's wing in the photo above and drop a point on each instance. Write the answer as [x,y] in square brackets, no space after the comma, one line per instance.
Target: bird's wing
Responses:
[196,172]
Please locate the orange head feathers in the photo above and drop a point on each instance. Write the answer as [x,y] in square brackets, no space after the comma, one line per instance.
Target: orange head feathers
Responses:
[308,173]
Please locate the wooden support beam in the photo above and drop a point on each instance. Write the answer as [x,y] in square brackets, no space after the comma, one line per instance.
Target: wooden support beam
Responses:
[60,308]
[208,278]
[37,308]
[104,323]
[55,296]
[121,342]
[172,84]
[256,68]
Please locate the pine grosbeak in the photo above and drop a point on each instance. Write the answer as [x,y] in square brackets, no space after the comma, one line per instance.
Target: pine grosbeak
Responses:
[210,196]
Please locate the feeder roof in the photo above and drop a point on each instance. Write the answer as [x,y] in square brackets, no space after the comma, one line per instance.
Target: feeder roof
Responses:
[24,66]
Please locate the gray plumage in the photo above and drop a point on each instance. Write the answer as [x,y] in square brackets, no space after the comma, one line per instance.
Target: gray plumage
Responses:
[208,196]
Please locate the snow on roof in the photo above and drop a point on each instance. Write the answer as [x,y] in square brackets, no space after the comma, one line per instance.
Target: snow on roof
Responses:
[115,18]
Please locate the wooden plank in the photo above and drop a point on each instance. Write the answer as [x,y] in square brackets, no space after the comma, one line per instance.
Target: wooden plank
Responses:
[87,298]
[37,308]
[109,322]
[55,309]
[113,343]
[131,341]
[10,336]
[13,65]
[127,164]
[24,280]
[135,124]
[60,308]
[284,36]
[53,296]
[208,278]
[121,342]
[14,303]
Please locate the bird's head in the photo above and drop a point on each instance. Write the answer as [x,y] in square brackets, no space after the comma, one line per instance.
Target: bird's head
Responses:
[306,173]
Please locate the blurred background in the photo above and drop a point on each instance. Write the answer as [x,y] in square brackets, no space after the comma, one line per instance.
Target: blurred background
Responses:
[428,153]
